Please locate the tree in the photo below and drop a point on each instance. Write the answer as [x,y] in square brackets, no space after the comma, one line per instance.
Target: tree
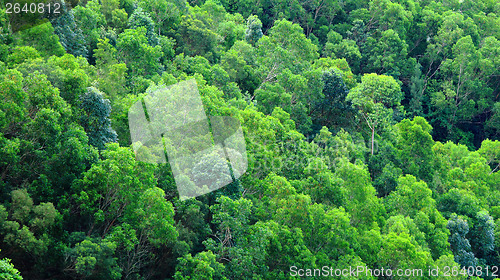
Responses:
[65,73]
[8,271]
[154,218]
[337,47]
[459,243]
[13,111]
[333,110]
[142,19]
[202,266]
[95,119]
[93,258]
[410,197]
[117,202]
[231,218]
[282,49]
[43,39]
[453,27]
[25,227]
[39,124]
[414,143]
[231,30]
[335,174]
[71,157]
[70,35]
[21,54]
[151,218]
[198,38]
[111,75]
[387,15]
[413,198]
[238,62]
[88,19]
[490,151]
[119,19]
[165,14]
[448,260]
[254,30]
[375,98]
[141,58]
[324,187]
[68,76]
[191,216]
[388,55]
[364,206]
[291,92]
[461,202]
[283,247]
[107,8]
[483,237]
[398,252]
[464,94]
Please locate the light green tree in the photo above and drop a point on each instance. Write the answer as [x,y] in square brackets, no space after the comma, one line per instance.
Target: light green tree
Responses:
[8,271]
[375,97]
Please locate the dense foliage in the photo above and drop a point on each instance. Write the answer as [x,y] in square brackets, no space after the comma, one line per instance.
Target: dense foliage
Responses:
[372,130]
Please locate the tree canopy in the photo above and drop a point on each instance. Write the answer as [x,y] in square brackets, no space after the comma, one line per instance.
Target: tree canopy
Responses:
[371,128]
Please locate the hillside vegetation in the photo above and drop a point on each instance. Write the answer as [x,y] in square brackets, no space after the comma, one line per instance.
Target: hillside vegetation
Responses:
[372,132]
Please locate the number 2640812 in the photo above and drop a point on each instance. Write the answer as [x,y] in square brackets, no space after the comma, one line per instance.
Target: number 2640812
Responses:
[33,8]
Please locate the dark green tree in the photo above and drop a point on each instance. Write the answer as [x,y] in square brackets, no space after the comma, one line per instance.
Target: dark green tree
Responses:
[254,30]
[333,110]
[95,118]
[460,244]
[483,237]
[70,35]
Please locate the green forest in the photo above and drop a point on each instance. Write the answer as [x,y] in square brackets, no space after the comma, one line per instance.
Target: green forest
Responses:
[372,133]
